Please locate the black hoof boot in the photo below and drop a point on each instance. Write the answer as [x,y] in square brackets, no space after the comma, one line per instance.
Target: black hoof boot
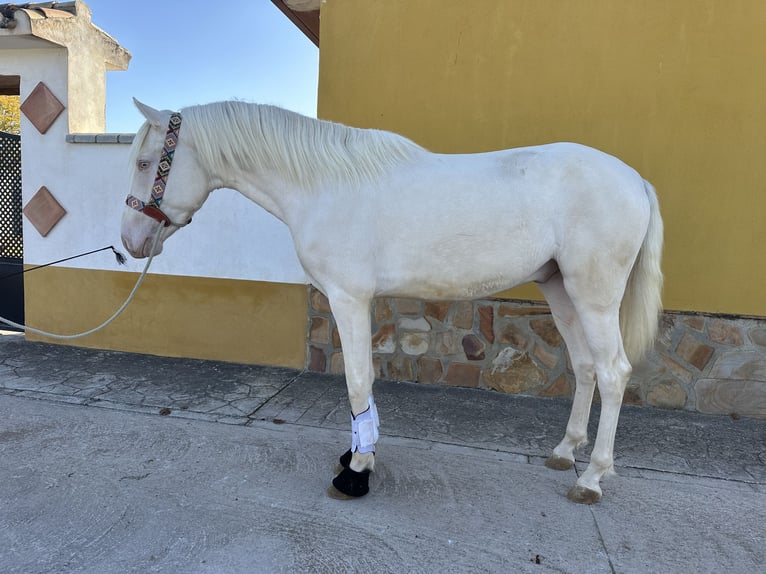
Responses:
[351,483]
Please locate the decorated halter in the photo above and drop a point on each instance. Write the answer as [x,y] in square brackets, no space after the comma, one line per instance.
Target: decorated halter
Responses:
[152,207]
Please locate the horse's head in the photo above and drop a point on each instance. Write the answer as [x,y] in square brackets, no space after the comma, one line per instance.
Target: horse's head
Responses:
[160,196]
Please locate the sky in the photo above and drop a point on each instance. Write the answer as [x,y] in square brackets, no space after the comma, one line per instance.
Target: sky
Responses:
[194,52]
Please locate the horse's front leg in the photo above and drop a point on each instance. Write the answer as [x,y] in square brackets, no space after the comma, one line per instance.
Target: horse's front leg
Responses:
[352,315]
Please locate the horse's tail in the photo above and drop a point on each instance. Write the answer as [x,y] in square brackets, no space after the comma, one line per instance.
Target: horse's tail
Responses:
[642,302]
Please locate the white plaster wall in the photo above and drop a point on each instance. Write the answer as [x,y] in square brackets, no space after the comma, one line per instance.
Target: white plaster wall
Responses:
[230,237]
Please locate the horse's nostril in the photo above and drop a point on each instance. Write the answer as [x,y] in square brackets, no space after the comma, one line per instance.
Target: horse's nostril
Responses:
[146,250]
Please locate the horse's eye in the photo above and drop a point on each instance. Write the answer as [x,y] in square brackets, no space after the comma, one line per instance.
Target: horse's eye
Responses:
[142,164]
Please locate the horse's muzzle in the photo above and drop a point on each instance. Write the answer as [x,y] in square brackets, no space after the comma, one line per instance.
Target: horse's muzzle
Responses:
[143,249]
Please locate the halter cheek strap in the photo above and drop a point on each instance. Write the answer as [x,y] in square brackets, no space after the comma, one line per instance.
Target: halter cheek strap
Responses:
[152,207]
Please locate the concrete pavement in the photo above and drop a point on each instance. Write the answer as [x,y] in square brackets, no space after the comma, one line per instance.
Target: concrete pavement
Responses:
[114,462]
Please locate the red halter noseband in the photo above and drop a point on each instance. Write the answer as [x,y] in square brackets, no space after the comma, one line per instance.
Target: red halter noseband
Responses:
[152,207]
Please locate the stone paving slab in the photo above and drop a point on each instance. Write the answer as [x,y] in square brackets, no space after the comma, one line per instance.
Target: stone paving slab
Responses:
[209,390]
[651,439]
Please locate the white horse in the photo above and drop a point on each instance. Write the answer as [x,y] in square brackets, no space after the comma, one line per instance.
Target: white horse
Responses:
[373,214]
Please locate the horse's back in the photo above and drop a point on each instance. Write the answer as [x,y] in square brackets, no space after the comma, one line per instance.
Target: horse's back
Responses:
[566,168]
[581,191]
[558,186]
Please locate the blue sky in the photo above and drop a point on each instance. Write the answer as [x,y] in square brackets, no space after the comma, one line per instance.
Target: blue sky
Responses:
[193,52]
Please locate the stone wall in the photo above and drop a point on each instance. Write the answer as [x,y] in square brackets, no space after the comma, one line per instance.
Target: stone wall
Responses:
[712,364]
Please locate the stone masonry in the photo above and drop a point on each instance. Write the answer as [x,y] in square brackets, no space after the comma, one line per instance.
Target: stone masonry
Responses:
[711,364]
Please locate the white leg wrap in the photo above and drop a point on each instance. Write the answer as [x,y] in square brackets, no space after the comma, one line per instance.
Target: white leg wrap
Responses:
[364,429]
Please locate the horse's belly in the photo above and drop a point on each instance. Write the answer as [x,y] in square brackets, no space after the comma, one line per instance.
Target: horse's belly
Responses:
[452,280]
[446,290]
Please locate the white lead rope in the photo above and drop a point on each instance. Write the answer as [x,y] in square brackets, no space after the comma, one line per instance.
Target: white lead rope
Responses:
[108,321]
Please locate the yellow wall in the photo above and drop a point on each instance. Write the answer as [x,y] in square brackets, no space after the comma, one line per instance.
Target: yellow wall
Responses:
[229,320]
[676,89]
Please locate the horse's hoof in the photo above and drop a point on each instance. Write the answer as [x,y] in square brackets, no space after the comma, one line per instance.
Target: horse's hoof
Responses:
[582,495]
[558,462]
[351,483]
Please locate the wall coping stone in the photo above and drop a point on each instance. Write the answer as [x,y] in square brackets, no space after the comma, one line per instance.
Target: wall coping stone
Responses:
[111,138]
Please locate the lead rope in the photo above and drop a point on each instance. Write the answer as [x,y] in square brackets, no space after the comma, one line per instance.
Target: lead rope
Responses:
[108,321]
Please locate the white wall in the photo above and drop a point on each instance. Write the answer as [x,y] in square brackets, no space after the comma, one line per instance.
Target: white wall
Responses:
[230,237]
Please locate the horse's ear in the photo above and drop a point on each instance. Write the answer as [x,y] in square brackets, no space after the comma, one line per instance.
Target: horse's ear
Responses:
[153,116]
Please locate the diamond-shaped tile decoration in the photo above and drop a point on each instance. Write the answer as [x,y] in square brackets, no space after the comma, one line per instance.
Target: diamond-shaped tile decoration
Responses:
[42,108]
[43,211]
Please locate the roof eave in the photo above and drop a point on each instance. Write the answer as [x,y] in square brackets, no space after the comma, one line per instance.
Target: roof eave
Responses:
[304,14]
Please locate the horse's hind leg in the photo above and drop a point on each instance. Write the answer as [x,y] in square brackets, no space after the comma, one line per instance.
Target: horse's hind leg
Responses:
[568,324]
[352,316]
[602,331]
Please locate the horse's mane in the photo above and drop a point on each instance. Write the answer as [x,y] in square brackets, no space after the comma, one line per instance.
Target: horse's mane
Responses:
[307,151]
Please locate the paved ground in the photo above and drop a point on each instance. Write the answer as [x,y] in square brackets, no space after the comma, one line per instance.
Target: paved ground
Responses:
[93,477]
